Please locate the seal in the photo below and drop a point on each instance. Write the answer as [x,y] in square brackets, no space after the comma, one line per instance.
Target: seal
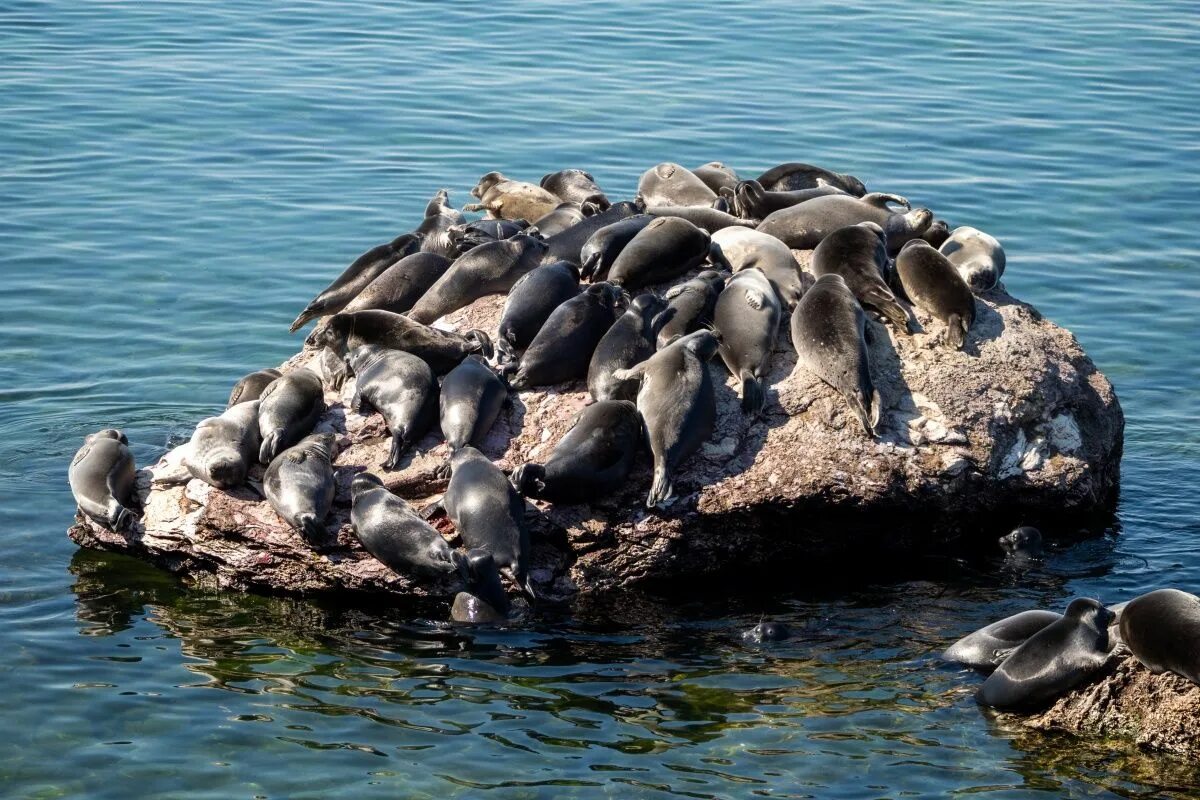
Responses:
[441,350]
[767,631]
[988,647]
[508,199]
[395,535]
[592,460]
[707,219]
[745,248]
[602,247]
[472,396]
[562,217]
[629,341]
[434,230]
[803,227]
[222,449]
[472,234]
[677,405]
[1052,661]
[859,254]
[794,175]
[484,601]
[937,233]
[1024,539]
[491,268]
[1162,629]
[716,176]
[669,184]
[750,200]
[566,246]
[563,347]
[366,268]
[299,486]
[575,186]
[689,306]
[932,283]
[250,387]
[401,387]
[747,318]
[978,257]
[488,513]
[531,302]
[828,332]
[103,478]
[402,284]
[665,249]
[288,410]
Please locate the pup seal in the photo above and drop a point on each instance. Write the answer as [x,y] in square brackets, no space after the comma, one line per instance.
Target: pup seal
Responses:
[222,449]
[491,268]
[932,283]
[978,257]
[251,386]
[665,249]
[567,245]
[989,646]
[401,387]
[750,200]
[434,230]
[395,535]
[828,330]
[472,396]
[1054,660]
[716,176]
[677,404]
[366,268]
[794,175]
[402,284]
[708,219]
[299,485]
[803,227]
[288,410]
[672,185]
[563,348]
[689,305]
[575,186]
[602,247]
[629,341]
[745,248]
[531,301]
[859,254]
[103,479]
[1162,629]
[509,199]
[484,600]
[441,350]
[747,318]
[592,459]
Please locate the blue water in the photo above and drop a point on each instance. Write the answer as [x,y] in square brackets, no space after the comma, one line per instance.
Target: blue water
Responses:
[178,179]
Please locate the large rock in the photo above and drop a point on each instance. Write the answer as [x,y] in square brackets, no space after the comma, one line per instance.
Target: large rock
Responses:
[1018,426]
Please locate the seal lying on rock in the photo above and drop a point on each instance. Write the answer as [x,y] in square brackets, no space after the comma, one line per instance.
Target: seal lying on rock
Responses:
[690,305]
[566,246]
[665,249]
[402,284]
[859,254]
[509,199]
[530,303]
[932,283]
[103,479]
[222,449]
[288,410]
[669,184]
[575,186]
[989,646]
[562,217]
[707,219]
[563,347]
[1162,629]
[802,227]
[394,534]
[750,200]
[746,248]
[401,387]
[716,176]
[491,268]
[251,386]
[794,175]
[747,318]
[299,485]
[472,396]
[629,341]
[481,231]
[978,257]
[602,247]
[441,350]
[434,230]
[484,600]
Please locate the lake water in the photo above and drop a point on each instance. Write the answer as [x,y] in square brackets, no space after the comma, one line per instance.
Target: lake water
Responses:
[178,179]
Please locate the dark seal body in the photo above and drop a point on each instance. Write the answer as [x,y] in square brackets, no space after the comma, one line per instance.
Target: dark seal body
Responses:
[1162,629]
[103,479]
[628,342]
[747,319]
[562,217]
[989,646]
[803,226]
[566,246]
[472,234]
[484,600]
[563,347]
[575,186]
[672,185]
[288,410]
[402,284]
[251,386]
[222,449]
[859,254]
[752,201]
[472,396]
[491,268]
[706,219]
[665,249]
[689,305]
[592,459]
[394,534]
[441,350]
[299,485]
[602,247]
[933,284]
[531,302]
[356,277]
[794,175]
[401,387]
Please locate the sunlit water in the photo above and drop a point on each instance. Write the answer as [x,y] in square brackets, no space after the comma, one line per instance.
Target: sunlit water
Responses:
[177,180]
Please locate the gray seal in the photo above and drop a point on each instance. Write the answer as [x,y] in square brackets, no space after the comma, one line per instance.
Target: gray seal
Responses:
[593,459]
[434,230]
[531,302]
[750,200]
[746,248]
[747,318]
[566,246]
[508,199]
[859,254]
[978,257]
[932,283]
[299,485]
[222,449]
[250,387]
[803,227]
[394,534]
[491,268]
[441,350]
[402,284]
[828,332]
[575,186]
[103,479]
[716,176]
[665,249]
[484,601]
[472,234]
[356,277]
[677,405]
[563,347]
[988,647]
[401,387]
[707,219]
[795,175]
[472,396]
[629,341]
[669,184]
[562,217]
[690,305]
[1052,661]
[1162,629]
[602,247]
[288,410]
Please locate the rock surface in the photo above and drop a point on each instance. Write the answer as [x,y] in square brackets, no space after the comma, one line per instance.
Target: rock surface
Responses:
[1017,426]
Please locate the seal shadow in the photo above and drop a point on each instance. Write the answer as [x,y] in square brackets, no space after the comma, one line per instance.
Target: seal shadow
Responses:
[988,324]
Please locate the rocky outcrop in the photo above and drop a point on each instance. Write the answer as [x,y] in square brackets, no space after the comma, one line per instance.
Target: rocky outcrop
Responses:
[1019,426]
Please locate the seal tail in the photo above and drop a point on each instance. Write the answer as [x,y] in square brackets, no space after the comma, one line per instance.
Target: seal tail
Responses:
[861,407]
[310,312]
[311,529]
[506,350]
[889,307]
[399,445]
[752,395]
[661,489]
[270,448]
[956,331]
[483,341]
[529,479]
[588,269]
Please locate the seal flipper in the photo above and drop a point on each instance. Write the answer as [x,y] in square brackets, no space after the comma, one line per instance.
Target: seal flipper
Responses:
[752,394]
[310,312]
[888,306]
[881,200]
[529,479]
[866,415]
[312,530]
[482,341]
[661,488]
[956,331]
[270,447]
[399,445]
